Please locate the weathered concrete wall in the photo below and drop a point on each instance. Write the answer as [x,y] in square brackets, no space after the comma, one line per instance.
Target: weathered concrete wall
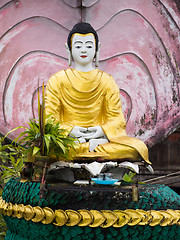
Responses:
[140,46]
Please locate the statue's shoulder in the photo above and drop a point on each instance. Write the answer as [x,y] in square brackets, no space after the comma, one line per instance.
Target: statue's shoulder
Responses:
[108,82]
[58,77]
[106,78]
[105,74]
[60,74]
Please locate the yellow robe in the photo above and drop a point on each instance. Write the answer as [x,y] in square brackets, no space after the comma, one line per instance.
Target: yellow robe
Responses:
[88,99]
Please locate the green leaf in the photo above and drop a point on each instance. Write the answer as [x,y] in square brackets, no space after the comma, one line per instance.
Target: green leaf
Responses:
[13,130]
[126,178]
[129,177]
[53,137]
[37,136]
[8,168]
[61,146]
[20,135]
[19,164]
[12,160]
[131,174]
[3,148]
[35,150]
[47,142]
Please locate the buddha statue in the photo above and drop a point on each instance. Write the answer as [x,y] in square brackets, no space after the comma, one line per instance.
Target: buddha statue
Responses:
[86,101]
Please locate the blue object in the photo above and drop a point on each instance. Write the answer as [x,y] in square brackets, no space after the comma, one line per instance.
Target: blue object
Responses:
[105,182]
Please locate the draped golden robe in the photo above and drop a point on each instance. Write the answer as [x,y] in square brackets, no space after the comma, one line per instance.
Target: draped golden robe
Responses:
[88,99]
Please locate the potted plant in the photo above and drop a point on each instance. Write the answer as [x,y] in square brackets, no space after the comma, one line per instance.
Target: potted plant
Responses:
[43,141]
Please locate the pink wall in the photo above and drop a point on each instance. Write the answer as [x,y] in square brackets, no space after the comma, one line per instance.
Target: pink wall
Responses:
[140,44]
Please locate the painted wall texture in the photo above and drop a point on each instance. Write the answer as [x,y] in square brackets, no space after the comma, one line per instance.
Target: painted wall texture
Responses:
[140,48]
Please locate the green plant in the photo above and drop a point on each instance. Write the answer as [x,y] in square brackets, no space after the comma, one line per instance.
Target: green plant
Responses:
[12,158]
[53,142]
[129,177]
[4,155]
[44,137]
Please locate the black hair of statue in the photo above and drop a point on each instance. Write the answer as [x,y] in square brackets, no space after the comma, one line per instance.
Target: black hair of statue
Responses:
[82,28]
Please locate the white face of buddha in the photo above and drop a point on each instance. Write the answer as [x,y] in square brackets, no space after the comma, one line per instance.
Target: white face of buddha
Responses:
[83,49]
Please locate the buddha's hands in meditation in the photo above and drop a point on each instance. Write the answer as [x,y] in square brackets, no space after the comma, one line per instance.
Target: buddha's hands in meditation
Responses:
[78,132]
[94,133]
[87,133]
[95,136]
